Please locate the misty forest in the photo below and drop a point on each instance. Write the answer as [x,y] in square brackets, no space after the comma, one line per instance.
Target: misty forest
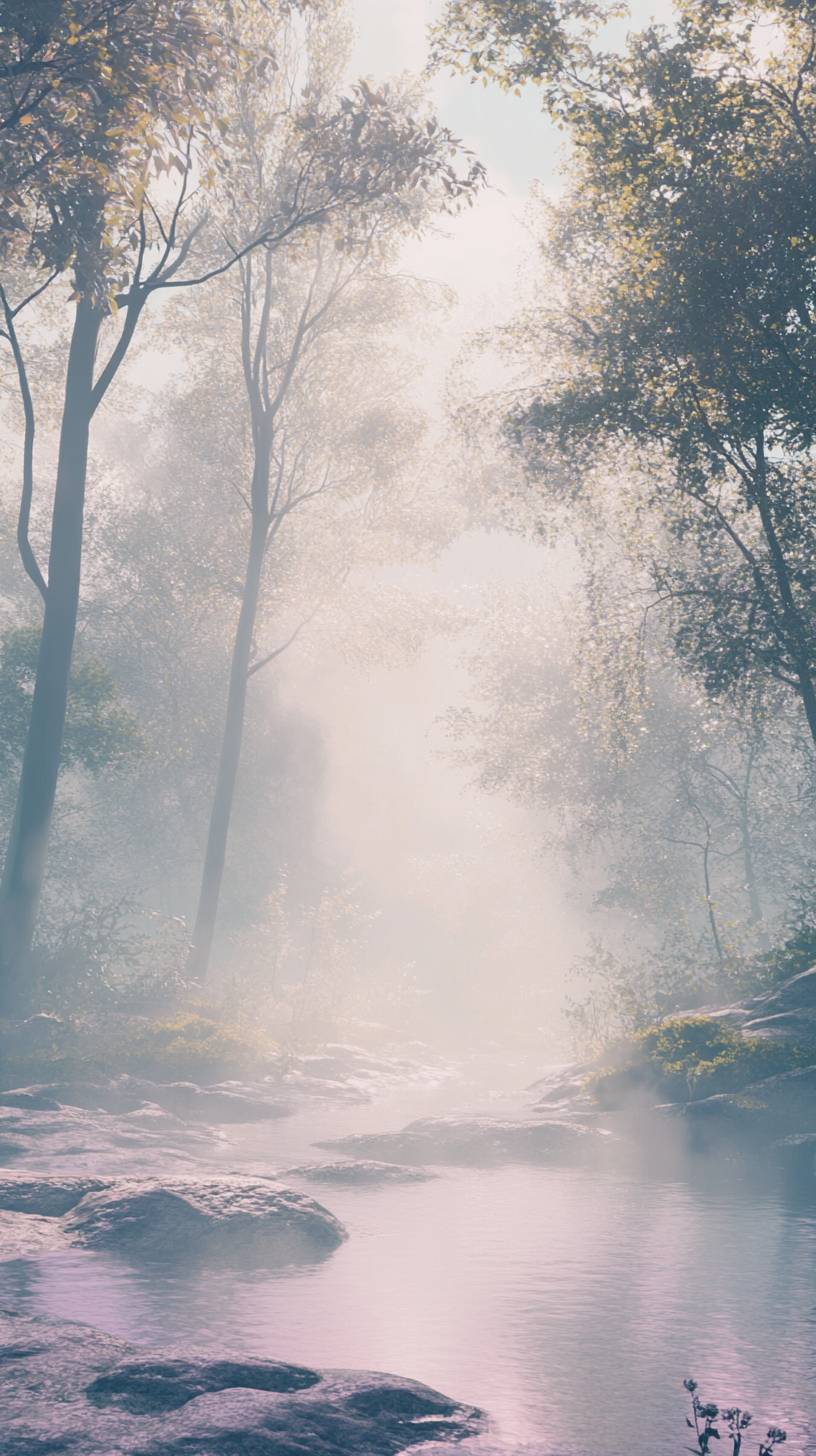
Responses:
[407,727]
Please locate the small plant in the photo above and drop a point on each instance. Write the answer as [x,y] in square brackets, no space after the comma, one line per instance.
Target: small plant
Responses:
[704,1423]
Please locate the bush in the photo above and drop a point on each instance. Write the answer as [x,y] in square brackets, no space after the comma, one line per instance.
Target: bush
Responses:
[194,1046]
[687,1057]
[190,1046]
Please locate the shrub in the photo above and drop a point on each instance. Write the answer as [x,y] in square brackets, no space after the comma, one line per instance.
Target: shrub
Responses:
[194,1046]
[188,1046]
[688,1057]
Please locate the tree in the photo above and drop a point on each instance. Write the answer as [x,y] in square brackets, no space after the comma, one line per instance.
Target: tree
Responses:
[687,254]
[122,252]
[285,318]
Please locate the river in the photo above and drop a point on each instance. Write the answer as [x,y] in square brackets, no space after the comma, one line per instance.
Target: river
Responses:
[569,1303]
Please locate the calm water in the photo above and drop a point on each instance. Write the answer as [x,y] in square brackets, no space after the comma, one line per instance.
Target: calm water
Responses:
[569,1303]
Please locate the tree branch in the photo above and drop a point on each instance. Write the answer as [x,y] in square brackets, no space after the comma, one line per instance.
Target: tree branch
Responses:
[27,556]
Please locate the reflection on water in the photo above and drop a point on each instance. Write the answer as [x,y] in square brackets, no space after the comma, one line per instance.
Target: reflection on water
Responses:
[570,1303]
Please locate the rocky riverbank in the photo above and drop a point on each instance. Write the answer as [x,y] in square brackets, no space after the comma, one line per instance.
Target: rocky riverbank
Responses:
[69,1388]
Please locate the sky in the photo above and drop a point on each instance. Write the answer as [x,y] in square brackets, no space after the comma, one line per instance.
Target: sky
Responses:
[480,253]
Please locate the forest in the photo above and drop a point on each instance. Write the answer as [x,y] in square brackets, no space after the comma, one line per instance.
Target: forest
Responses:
[407,726]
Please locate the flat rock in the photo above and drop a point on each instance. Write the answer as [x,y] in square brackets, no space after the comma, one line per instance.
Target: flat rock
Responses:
[228,1217]
[473,1141]
[364,1171]
[126,1094]
[88,1140]
[70,1388]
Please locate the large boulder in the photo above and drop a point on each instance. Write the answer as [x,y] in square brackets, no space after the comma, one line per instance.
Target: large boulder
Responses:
[477,1141]
[226,1217]
[69,1388]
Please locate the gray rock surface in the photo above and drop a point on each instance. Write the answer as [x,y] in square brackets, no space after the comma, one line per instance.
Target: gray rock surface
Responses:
[221,1103]
[173,1218]
[787,1012]
[50,1195]
[769,1109]
[87,1140]
[473,1141]
[69,1388]
[228,1217]
[362,1171]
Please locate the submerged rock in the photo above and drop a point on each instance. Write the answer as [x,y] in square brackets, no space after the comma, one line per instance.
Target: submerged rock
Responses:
[228,1217]
[359,1171]
[473,1141]
[70,1388]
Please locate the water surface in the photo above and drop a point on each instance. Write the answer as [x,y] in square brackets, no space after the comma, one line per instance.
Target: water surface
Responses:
[568,1302]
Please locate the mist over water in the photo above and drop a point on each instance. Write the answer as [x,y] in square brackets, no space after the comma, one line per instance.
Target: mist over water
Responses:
[431,832]
[567,1302]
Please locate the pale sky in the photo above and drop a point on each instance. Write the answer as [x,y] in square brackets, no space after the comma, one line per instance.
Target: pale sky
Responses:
[480,253]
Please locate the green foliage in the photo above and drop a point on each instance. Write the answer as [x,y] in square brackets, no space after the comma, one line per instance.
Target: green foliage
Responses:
[527,40]
[689,1057]
[92,92]
[797,952]
[100,733]
[193,1045]
[105,954]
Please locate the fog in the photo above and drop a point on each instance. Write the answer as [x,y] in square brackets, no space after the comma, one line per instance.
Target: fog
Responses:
[407,724]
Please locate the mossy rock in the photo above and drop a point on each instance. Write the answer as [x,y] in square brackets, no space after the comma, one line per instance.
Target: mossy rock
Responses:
[689,1057]
[188,1045]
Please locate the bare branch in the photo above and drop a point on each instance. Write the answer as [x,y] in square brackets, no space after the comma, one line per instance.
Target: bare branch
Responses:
[27,556]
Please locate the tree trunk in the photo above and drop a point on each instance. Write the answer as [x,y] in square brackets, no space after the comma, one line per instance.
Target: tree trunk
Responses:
[25,859]
[213,872]
[794,628]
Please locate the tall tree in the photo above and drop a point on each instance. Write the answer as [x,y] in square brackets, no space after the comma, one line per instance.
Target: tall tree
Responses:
[686,251]
[123,248]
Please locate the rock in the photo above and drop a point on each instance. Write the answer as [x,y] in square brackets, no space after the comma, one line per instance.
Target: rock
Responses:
[28,1236]
[127,1094]
[474,1141]
[305,1085]
[359,1171]
[29,1097]
[49,1195]
[69,1388]
[154,1385]
[227,1217]
[768,1109]
[208,1104]
[788,1012]
[564,1089]
[92,1139]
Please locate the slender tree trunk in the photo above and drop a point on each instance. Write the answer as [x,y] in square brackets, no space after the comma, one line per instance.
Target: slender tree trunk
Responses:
[25,858]
[757,917]
[791,616]
[213,872]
